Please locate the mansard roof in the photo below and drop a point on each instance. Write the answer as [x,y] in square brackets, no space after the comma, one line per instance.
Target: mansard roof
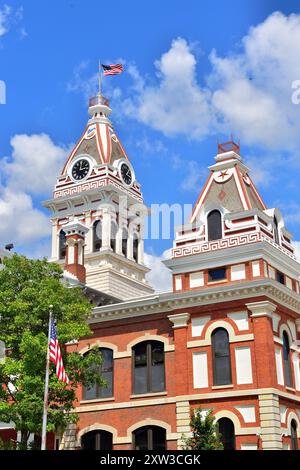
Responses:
[99,138]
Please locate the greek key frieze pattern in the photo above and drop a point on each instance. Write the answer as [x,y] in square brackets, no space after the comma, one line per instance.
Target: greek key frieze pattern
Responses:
[75,190]
[217,244]
[230,242]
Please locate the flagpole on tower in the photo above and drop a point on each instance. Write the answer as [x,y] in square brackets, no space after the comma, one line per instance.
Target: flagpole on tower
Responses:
[44,427]
[100,80]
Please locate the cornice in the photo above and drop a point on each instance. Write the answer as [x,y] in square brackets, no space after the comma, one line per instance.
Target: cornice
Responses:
[170,302]
[236,255]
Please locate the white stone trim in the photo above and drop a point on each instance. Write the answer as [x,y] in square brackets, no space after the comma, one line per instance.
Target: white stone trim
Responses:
[179,320]
[240,319]
[238,429]
[100,344]
[167,302]
[233,338]
[290,416]
[198,324]
[275,321]
[152,422]
[247,412]
[168,347]
[182,398]
[261,309]
[284,327]
[97,427]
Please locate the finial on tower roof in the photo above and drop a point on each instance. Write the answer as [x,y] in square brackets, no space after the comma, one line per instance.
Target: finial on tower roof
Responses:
[229,146]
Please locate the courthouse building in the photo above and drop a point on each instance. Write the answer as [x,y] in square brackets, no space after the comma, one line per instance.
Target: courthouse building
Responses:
[226,337]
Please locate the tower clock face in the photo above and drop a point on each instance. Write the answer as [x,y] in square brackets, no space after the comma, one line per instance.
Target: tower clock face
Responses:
[126,173]
[80,169]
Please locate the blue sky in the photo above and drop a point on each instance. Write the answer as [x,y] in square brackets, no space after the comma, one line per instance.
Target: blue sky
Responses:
[195,73]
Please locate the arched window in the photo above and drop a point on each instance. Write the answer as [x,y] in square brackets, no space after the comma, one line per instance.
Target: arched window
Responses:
[148,367]
[135,247]
[294,437]
[214,225]
[276,231]
[97,440]
[124,241]
[62,244]
[149,438]
[221,357]
[106,370]
[97,235]
[287,360]
[113,235]
[226,429]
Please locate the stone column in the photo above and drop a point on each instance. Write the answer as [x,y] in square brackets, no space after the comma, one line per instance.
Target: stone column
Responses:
[106,229]
[183,419]
[141,251]
[269,412]
[68,441]
[119,242]
[89,235]
[130,246]
[54,245]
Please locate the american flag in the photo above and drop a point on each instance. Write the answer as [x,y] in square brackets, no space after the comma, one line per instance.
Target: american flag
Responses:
[112,69]
[55,354]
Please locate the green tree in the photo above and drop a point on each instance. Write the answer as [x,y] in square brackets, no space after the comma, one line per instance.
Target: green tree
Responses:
[27,288]
[205,432]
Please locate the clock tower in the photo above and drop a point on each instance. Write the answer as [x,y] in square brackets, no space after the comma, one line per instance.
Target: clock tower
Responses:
[97,189]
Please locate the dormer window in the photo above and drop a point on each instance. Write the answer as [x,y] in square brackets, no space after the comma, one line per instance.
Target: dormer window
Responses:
[214,225]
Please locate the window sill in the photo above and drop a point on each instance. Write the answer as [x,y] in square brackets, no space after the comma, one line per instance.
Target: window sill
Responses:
[290,389]
[216,387]
[96,400]
[151,394]
[217,282]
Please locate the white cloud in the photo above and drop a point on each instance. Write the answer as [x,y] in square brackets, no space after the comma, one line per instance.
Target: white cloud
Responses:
[5,13]
[10,17]
[177,105]
[253,88]
[80,84]
[247,92]
[21,223]
[30,170]
[191,171]
[159,277]
[35,163]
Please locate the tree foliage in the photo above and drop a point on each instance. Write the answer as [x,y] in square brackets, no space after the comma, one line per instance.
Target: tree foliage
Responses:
[27,289]
[205,432]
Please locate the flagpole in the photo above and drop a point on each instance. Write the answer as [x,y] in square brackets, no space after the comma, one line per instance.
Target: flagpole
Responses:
[100,79]
[44,428]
